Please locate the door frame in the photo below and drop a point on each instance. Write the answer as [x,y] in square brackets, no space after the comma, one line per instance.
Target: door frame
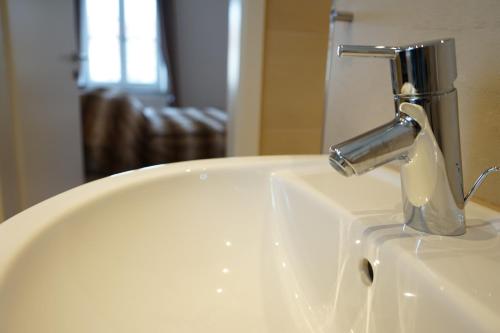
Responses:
[246,27]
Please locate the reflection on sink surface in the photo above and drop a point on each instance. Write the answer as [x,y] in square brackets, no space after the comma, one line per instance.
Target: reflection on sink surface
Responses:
[275,244]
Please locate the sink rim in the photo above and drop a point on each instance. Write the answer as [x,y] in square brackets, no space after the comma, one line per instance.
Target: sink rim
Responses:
[17,232]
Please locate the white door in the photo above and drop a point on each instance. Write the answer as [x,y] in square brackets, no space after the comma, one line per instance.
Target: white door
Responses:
[44,97]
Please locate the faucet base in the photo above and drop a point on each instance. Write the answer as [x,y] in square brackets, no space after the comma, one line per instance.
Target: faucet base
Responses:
[424,219]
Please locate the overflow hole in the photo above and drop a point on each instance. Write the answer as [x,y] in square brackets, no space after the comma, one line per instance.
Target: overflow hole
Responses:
[366,269]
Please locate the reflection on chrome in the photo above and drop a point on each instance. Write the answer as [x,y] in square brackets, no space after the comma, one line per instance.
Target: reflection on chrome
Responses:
[417,245]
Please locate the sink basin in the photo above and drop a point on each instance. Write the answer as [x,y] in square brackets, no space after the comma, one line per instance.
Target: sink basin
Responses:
[262,244]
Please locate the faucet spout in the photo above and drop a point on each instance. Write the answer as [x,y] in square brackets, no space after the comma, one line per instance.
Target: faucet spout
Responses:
[374,148]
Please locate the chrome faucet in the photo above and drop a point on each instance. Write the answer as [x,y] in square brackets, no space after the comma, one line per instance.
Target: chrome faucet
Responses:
[424,135]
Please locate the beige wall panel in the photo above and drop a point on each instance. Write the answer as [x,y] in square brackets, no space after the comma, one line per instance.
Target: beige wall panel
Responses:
[292,141]
[295,53]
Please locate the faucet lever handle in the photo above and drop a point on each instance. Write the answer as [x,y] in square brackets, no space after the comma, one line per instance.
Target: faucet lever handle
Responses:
[428,67]
[386,52]
[480,180]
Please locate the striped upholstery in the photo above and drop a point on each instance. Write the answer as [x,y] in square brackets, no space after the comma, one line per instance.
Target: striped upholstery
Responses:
[180,134]
[119,134]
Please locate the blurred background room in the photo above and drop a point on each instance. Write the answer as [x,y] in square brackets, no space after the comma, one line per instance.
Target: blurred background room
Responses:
[151,77]
[92,88]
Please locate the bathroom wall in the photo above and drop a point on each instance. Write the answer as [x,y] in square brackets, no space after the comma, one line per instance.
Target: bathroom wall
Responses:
[294,64]
[359,93]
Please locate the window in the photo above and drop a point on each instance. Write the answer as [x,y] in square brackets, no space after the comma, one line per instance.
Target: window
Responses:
[120,40]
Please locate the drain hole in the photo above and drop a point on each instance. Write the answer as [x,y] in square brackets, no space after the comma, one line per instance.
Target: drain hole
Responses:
[366,272]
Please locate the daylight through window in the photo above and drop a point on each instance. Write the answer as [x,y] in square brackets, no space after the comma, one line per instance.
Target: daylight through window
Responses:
[120,39]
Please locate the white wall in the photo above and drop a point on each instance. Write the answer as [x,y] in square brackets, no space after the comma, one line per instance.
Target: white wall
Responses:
[359,93]
[201,29]
[43,100]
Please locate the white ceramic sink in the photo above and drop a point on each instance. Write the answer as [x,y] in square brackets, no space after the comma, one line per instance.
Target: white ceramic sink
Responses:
[276,244]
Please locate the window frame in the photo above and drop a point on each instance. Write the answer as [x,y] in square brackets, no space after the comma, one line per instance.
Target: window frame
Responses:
[162,82]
